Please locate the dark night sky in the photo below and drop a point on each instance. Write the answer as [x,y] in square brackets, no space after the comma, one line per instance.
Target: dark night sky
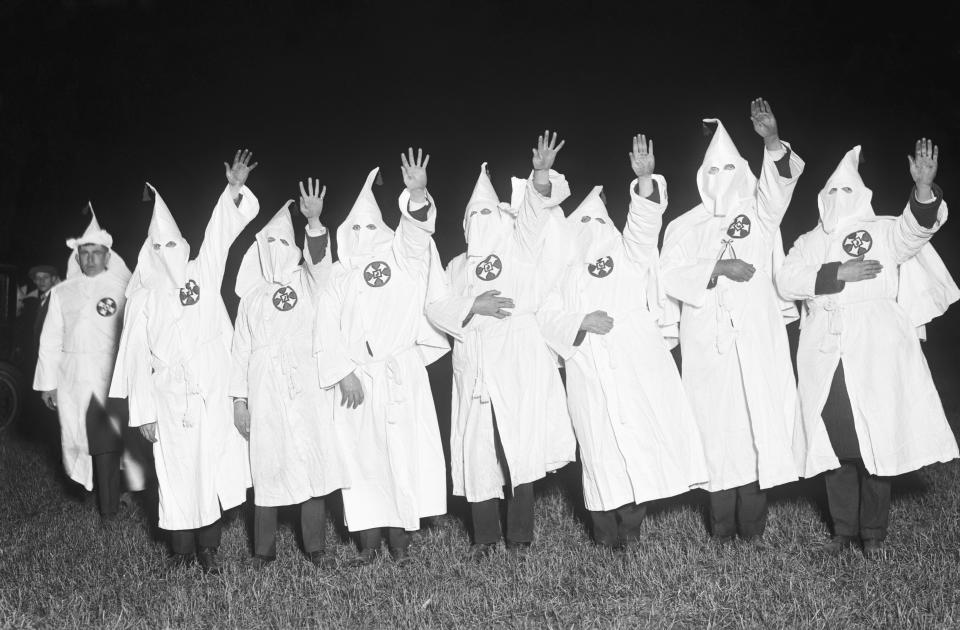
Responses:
[98,96]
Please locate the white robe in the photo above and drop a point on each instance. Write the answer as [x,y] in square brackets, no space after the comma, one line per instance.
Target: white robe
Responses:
[295,452]
[637,433]
[736,358]
[378,330]
[78,347]
[503,366]
[174,369]
[898,416]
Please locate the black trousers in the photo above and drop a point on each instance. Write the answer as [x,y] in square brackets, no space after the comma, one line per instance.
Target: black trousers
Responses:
[859,502]
[741,510]
[186,541]
[397,538]
[313,526]
[486,517]
[611,533]
[106,479]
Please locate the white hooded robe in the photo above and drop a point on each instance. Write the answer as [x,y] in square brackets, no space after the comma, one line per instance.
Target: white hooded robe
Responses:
[371,322]
[736,358]
[78,347]
[173,365]
[503,367]
[872,326]
[295,452]
[637,433]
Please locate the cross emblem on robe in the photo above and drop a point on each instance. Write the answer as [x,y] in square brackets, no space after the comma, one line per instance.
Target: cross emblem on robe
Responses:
[489,268]
[284,299]
[190,294]
[106,307]
[602,268]
[739,227]
[857,243]
[377,274]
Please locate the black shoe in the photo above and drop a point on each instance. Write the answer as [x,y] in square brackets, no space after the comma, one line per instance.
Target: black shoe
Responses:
[321,559]
[210,562]
[109,522]
[722,541]
[837,545]
[873,549]
[481,551]
[401,555]
[258,562]
[179,560]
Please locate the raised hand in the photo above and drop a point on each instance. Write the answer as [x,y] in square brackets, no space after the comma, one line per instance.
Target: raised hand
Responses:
[597,322]
[735,269]
[311,199]
[923,164]
[546,151]
[351,391]
[487,303]
[241,418]
[764,122]
[414,170]
[857,269]
[641,158]
[238,173]
[149,432]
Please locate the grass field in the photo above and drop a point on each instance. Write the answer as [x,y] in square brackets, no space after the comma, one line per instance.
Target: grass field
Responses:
[58,568]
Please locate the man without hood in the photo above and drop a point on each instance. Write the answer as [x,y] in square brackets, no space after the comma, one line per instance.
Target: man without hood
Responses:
[869,284]
[373,341]
[718,262]
[175,344]
[637,433]
[509,420]
[295,454]
[78,347]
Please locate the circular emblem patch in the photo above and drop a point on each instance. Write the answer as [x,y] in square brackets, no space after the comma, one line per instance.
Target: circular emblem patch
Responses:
[106,307]
[489,268]
[377,274]
[739,227]
[284,299]
[190,294]
[857,243]
[602,268]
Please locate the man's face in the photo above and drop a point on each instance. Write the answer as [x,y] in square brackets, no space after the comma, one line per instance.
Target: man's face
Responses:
[43,280]
[92,259]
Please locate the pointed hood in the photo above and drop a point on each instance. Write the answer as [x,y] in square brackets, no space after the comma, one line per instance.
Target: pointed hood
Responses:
[724,179]
[363,233]
[845,199]
[594,234]
[94,235]
[486,222]
[273,257]
[162,262]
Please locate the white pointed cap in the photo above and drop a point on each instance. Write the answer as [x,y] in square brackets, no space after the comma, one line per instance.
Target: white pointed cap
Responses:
[592,206]
[721,149]
[847,172]
[484,195]
[162,224]
[366,207]
[93,235]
